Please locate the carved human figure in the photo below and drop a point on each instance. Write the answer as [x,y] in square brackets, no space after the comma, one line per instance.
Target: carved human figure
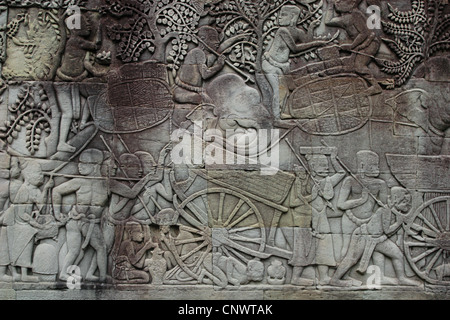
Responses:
[153,193]
[21,234]
[73,70]
[77,45]
[354,197]
[123,192]
[288,39]
[221,270]
[322,194]
[83,225]
[400,199]
[373,237]
[12,185]
[200,64]
[169,233]
[123,202]
[364,42]
[300,207]
[156,266]
[129,263]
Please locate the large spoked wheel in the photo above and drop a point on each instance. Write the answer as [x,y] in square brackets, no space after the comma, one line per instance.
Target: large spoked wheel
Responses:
[427,241]
[218,218]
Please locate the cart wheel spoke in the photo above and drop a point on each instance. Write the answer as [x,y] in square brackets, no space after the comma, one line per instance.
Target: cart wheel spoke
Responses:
[186,241]
[419,244]
[433,261]
[448,215]
[220,211]
[242,229]
[241,218]
[428,223]
[244,239]
[424,254]
[435,216]
[233,213]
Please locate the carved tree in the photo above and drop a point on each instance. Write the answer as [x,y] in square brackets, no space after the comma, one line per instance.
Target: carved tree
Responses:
[150,25]
[30,111]
[417,35]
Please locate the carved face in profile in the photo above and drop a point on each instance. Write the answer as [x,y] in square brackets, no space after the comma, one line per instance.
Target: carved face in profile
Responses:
[33,174]
[136,233]
[89,161]
[402,199]
[85,29]
[368,163]
[288,16]
[319,165]
[130,165]
[210,36]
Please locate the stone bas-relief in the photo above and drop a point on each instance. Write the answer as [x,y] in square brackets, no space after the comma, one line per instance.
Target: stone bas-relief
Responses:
[132,153]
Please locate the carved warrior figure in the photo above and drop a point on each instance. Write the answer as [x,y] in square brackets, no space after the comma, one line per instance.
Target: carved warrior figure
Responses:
[369,222]
[74,68]
[365,43]
[288,39]
[123,202]
[83,221]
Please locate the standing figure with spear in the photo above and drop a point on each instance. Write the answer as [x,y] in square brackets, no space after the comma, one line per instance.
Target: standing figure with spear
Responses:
[83,222]
[366,224]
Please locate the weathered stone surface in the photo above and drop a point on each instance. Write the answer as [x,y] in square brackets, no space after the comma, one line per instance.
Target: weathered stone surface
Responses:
[224,149]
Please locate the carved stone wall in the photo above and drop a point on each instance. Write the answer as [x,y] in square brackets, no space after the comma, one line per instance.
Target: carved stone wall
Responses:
[225,148]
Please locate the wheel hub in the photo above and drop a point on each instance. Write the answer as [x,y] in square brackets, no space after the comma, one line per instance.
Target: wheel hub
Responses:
[443,241]
[219,236]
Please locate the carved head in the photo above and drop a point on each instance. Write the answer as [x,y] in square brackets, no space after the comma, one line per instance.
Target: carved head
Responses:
[90,161]
[148,163]
[318,164]
[401,199]
[210,36]
[134,231]
[288,16]
[85,29]
[300,172]
[255,270]
[32,173]
[130,165]
[166,217]
[368,163]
